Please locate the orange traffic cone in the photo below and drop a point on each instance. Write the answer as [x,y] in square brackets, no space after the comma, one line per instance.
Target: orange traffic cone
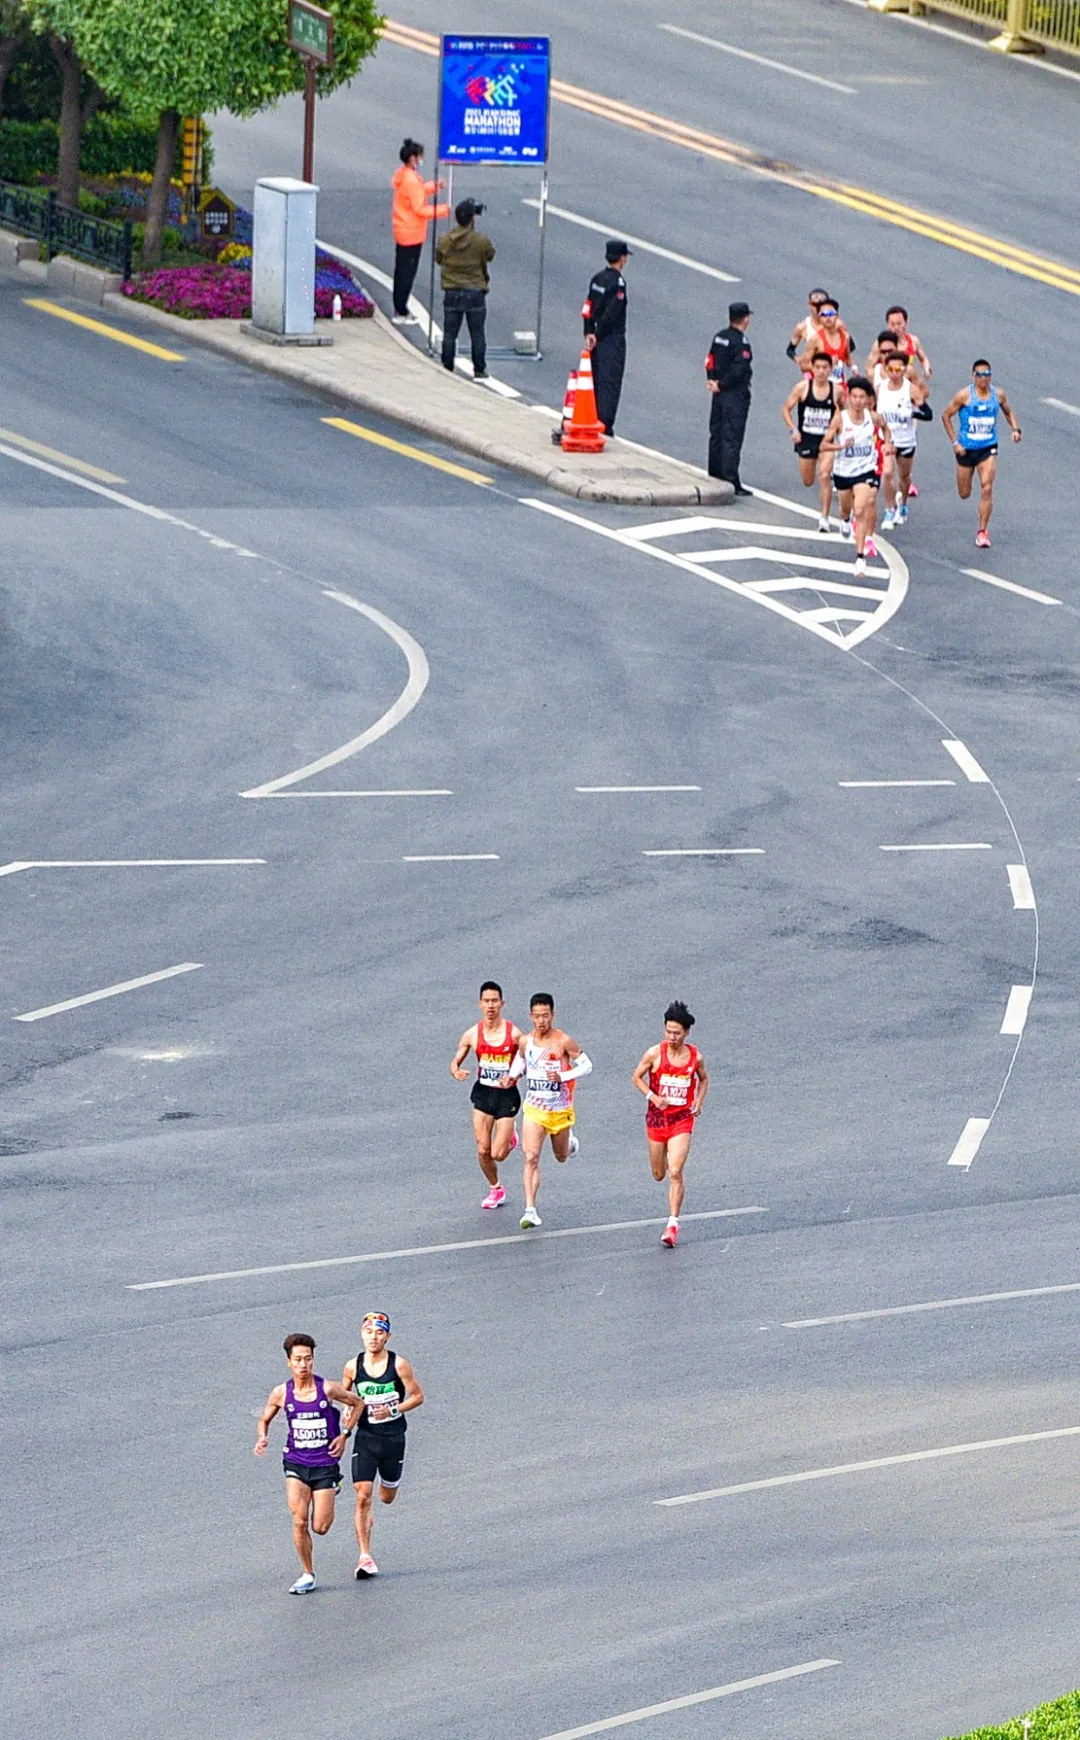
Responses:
[567,409]
[584,433]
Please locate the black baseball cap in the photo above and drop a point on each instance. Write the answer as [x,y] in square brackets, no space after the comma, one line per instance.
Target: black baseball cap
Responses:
[615,249]
[739,310]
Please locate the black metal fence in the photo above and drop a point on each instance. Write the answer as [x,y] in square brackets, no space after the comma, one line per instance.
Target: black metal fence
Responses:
[64,229]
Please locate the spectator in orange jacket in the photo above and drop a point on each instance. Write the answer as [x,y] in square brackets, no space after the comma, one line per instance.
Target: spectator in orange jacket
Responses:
[411,216]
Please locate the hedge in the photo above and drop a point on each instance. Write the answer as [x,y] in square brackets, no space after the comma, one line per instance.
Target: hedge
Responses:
[1057,1721]
[111,144]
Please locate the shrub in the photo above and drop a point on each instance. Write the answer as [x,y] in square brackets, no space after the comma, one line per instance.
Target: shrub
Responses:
[1057,1721]
[112,145]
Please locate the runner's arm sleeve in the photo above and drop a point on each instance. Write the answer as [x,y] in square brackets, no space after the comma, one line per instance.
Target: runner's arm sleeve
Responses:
[582,1065]
[517,1068]
[923,413]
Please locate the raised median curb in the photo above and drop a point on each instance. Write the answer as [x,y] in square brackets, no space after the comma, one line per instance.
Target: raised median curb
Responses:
[370,367]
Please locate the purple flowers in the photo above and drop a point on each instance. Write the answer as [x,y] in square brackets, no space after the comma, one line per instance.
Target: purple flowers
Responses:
[213,292]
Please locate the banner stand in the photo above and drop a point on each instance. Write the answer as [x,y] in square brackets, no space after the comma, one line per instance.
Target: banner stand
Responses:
[494,113]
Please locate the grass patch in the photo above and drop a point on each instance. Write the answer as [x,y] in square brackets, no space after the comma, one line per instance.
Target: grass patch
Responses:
[1059,1720]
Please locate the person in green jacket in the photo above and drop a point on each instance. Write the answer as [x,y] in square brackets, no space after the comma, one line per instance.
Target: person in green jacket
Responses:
[464,255]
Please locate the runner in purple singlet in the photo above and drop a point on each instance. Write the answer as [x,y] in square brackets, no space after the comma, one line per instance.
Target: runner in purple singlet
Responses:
[313,1449]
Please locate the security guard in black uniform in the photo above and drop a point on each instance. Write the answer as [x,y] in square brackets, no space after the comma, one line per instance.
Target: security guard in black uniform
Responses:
[729,367]
[604,315]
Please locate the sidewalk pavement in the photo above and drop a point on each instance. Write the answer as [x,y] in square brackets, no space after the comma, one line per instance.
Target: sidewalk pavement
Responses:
[373,367]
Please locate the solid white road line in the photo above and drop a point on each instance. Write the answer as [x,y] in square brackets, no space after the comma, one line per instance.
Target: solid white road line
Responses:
[1020,884]
[124,501]
[944,846]
[965,761]
[451,858]
[584,223]
[1062,405]
[119,863]
[675,528]
[419,673]
[881,784]
[728,1691]
[1016,1010]
[875,1462]
[433,791]
[524,1238]
[1010,586]
[707,852]
[110,991]
[970,1142]
[760,60]
[933,1305]
[610,788]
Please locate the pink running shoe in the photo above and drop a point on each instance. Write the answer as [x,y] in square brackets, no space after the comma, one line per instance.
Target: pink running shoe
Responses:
[366,1568]
[495,1197]
[514,1140]
[670,1235]
[982,540]
[871,549]
[912,490]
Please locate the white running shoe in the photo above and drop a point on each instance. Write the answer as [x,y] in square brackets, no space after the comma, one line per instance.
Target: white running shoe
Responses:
[889,521]
[860,567]
[530,1218]
[845,528]
[901,515]
[823,523]
[366,1568]
[303,1585]
[899,498]
[404,320]
[575,1145]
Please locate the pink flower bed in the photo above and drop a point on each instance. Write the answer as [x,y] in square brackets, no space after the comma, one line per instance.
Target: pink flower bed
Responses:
[213,292]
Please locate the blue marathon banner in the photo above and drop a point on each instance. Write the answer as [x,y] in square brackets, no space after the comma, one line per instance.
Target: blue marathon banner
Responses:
[494,99]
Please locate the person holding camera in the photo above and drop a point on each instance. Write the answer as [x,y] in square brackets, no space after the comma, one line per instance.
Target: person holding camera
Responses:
[410,218]
[464,254]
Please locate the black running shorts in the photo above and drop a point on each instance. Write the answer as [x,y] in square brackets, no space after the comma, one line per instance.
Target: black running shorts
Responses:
[809,446]
[973,456]
[381,1454]
[870,478]
[905,453]
[495,1102]
[327,1478]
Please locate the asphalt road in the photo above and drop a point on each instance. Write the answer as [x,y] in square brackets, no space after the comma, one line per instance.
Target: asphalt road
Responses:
[288,1102]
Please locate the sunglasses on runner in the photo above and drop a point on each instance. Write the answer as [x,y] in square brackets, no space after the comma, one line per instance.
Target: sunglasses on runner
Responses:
[983,374]
[826,308]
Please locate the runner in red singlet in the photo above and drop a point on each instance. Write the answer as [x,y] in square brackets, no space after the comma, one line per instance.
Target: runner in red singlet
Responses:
[495,1042]
[674,1080]
[835,340]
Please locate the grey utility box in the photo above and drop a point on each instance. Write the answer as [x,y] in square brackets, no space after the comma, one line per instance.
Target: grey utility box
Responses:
[283,263]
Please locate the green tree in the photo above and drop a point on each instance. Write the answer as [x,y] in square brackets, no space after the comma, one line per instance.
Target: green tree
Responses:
[14,32]
[169,58]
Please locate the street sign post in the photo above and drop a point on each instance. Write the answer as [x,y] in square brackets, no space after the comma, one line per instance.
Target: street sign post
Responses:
[494,102]
[311,35]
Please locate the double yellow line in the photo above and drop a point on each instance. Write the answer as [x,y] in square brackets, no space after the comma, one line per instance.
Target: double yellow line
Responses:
[890,211]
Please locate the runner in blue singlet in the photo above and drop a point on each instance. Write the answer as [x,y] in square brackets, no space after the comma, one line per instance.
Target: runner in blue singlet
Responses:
[977,407]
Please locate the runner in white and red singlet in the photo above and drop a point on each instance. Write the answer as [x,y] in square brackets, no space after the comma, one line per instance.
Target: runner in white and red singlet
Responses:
[674,1080]
[495,1042]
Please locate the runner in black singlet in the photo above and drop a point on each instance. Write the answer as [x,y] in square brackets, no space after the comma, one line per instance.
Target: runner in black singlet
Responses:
[808,410]
[384,1389]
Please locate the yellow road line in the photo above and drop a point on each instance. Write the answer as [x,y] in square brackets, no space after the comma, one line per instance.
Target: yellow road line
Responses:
[1008,255]
[113,332]
[58,458]
[409,452]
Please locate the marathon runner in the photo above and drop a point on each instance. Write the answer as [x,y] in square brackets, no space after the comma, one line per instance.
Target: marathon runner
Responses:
[835,340]
[674,1080]
[900,399]
[852,437]
[313,1450]
[804,337]
[897,337]
[382,1388]
[808,410]
[495,1108]
[976,448]
[551,1063]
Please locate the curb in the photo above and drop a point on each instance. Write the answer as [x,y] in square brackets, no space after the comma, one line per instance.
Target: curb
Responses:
[697,491]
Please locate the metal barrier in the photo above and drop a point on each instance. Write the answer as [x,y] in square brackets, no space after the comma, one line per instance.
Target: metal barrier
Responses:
[1028,26]
[64,229]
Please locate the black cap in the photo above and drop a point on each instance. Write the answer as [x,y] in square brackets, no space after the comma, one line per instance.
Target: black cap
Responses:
[615,249]
[738,310]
